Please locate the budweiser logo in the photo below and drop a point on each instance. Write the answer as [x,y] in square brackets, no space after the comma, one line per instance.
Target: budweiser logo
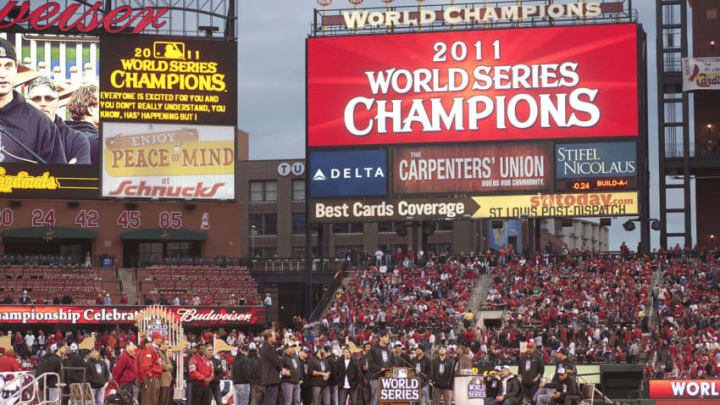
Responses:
[192,315]
[142,189]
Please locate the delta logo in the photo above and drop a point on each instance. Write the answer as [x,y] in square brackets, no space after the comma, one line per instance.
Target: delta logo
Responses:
[350,173]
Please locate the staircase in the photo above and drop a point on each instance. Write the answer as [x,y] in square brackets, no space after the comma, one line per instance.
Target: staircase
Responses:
[128,284]
[477,298]
[655,284]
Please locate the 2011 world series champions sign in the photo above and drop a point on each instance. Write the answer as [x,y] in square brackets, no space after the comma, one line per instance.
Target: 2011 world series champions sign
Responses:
[400,385]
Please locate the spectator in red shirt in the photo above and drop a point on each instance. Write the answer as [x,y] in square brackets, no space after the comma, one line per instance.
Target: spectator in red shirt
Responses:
[125,372]
[8,362]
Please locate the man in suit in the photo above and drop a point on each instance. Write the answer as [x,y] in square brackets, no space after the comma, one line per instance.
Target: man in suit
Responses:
[349,377]
[270,368]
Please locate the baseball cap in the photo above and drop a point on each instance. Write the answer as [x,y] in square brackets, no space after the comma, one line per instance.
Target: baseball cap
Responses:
[74,347]
[498,368]
[157,335]
[252,346]
[7,50]
[506,367]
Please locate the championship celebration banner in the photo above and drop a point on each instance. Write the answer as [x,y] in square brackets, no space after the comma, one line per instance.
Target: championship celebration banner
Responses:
[685,389]
[472,167]
[168,161]
[193,316]
[556,205]
[473,86]
[701,74]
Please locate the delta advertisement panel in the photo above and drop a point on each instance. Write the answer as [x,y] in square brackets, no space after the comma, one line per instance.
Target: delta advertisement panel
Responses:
[49,120]
[514,84]
[348,173]
[471,168]
[168,161]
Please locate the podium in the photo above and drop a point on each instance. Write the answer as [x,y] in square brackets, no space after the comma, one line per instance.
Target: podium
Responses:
[469,389]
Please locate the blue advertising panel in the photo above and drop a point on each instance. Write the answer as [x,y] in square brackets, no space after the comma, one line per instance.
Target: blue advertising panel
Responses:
[348,173]
[593,160]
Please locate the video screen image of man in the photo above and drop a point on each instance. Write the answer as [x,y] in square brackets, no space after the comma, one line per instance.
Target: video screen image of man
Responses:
[26,133]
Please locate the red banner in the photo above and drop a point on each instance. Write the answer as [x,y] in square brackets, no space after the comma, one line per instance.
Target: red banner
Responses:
[528,83]
[190,316]
[689,389]
[471,168]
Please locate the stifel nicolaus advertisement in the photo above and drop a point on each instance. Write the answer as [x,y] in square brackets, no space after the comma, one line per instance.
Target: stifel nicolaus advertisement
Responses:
[471,168]
[515,84]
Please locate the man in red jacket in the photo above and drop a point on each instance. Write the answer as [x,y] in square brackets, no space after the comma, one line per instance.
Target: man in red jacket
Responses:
[200,371]
[149,370]
[125,371]
[8,362]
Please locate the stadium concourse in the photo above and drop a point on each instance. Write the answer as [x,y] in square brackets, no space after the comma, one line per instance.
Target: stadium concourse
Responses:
[661,311]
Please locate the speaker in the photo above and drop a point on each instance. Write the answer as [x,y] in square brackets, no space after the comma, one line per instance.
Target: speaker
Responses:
[497,224]
[73,204]
[621,380]
[15,203]
[190,207]
[605,221]
[566,223]
[131,206]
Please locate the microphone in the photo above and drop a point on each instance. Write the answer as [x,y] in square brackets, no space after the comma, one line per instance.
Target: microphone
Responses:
[22,145]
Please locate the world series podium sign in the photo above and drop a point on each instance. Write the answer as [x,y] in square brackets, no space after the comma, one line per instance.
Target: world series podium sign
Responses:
[400,385]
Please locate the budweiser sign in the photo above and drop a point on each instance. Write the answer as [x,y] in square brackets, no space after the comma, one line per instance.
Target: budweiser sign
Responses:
[72,18]
[195,316]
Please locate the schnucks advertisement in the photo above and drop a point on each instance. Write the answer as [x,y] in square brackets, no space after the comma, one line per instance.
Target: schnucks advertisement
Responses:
[49,123]
[471,168]
[168,161]
[513,84]
[191,316]
[348,173]
[189,81]
[557,205]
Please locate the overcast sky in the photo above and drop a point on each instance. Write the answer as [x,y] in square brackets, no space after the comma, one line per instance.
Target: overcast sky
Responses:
[272,85]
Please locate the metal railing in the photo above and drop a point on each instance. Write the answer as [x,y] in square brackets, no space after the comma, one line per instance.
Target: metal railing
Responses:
[26,391]
[296,265]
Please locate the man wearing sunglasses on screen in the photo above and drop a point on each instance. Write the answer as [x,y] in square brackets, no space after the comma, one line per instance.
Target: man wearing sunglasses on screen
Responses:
[42,93]
[27,135]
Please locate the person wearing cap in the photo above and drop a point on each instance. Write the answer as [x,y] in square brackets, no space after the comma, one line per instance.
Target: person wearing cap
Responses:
[124,372]
[51,363]
[42,93]
[334,382]
[400,359]
[510,392]
[271,368]
[531,370]
[442,378]
[200,371]
[365,393]
[379,362]
[320,374]
[305,387]
[150,370]
[257,390]
[74,364]
[564,364]
[290,384]
[423,368]
[219,369]
[566,388]
[492,382]
[240,376]
[30,127]
[97,375]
